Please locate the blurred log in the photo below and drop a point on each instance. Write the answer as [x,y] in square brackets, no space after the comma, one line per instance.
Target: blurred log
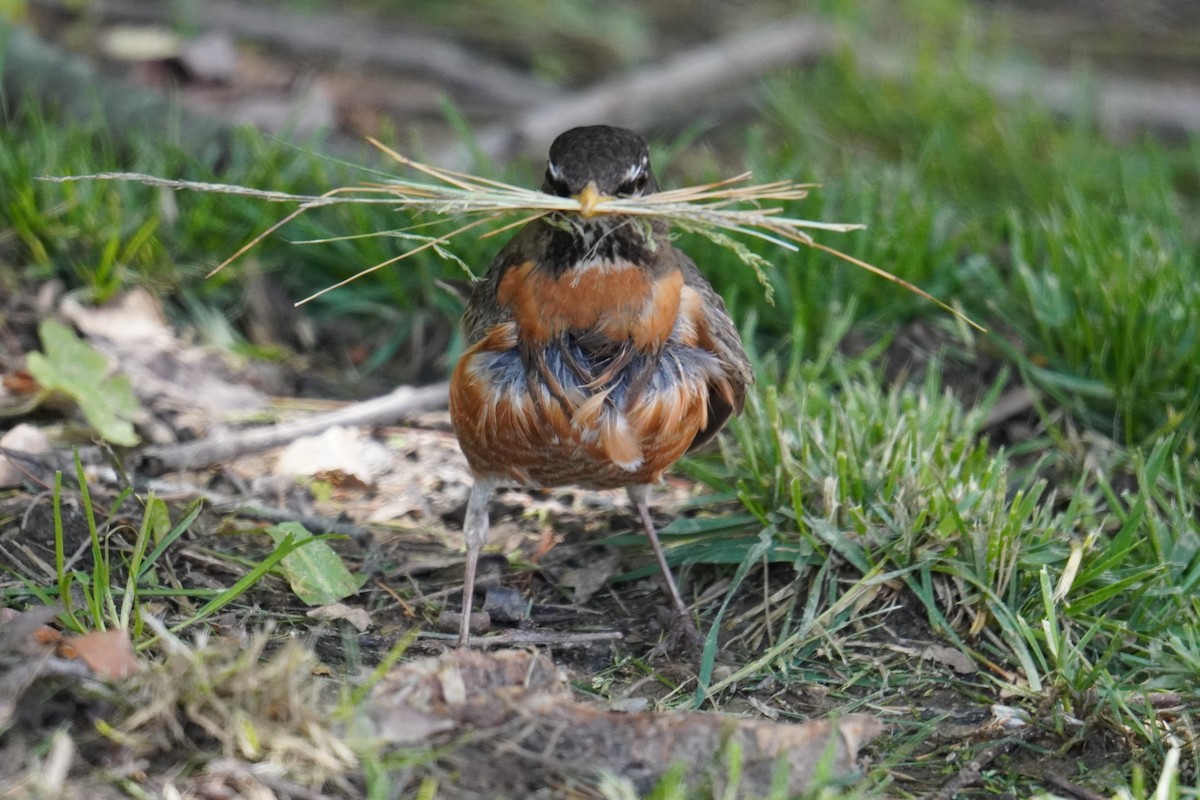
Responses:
[670,91]
[1121,106]
[345,37]
[511,709]
[36,73]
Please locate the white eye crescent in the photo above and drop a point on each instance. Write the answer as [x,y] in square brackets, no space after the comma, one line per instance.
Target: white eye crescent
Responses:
[636,172]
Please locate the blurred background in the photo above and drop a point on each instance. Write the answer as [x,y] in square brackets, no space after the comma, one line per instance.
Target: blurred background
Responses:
[923,119]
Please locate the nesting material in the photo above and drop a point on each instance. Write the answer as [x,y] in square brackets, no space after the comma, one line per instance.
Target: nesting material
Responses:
[724,211]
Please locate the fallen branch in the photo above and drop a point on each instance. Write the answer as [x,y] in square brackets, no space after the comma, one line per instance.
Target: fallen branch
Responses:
[403,402]
[1065,786]
[672,89]
[675,88]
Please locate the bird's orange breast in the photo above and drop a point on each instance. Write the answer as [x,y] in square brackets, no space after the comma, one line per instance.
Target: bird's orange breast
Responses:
[620,301]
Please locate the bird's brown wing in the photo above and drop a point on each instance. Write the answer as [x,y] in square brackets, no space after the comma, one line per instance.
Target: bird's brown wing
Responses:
[483,312]
[717,334]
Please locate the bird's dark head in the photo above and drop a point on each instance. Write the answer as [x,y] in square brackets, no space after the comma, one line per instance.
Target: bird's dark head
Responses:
[612,161]
[591,164]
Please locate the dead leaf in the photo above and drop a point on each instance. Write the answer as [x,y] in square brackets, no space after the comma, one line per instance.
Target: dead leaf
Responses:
[586,581]
[406,726]
[19,382]
[1010,718]
[211,57]
[139,43]
[185,385]
[24,438]
[358,617]
[135,317]
[340,455]
[548,540]
[108,654]
[505,605]
[951,657]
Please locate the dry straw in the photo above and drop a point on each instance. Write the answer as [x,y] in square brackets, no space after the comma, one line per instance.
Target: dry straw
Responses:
[718,211]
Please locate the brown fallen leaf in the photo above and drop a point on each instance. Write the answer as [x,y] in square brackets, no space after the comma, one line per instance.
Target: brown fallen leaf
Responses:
[19,382]
[588,580]
[360,618]
[547,541]
[342,456]
[951,657]
[108,654]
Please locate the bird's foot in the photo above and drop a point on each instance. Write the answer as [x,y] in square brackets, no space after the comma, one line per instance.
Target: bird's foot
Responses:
[479,623]
[682,639]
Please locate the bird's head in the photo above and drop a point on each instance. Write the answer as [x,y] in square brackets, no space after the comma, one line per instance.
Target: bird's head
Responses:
[598,161]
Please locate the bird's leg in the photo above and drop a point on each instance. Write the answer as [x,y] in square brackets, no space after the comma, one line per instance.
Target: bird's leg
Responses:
[640,495]
[475,531]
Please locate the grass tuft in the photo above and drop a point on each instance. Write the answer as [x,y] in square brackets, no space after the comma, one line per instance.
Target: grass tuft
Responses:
[1075,597]
[254,705]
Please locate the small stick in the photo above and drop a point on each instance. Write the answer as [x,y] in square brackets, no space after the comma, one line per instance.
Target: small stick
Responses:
[1075,790]
[972,771]
[531,637]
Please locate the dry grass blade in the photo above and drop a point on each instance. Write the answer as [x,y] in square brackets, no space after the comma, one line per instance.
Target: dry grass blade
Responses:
[720,211]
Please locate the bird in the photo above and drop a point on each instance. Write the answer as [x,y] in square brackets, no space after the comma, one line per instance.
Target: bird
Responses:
[596,353]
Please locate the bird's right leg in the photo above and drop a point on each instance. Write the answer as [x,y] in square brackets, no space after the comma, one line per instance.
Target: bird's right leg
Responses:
[684,629]
[475,531]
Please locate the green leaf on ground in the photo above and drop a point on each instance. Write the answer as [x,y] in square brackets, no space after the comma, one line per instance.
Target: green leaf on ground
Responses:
[316,573]
[74,368]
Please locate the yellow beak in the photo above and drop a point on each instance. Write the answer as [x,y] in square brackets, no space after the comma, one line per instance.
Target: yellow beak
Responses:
[589,197]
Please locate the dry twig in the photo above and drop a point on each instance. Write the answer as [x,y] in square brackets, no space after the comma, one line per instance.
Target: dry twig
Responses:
[972,772]
[396,405]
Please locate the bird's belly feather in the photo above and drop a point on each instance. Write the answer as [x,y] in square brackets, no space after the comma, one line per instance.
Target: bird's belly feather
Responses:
[511,427]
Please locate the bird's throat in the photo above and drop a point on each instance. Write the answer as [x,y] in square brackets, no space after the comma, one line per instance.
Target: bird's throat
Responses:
[577,243]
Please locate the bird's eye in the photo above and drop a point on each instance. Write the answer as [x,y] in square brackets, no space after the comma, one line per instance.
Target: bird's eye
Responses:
[635,185]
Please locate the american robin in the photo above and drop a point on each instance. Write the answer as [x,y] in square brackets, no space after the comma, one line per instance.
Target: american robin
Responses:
[597,352]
